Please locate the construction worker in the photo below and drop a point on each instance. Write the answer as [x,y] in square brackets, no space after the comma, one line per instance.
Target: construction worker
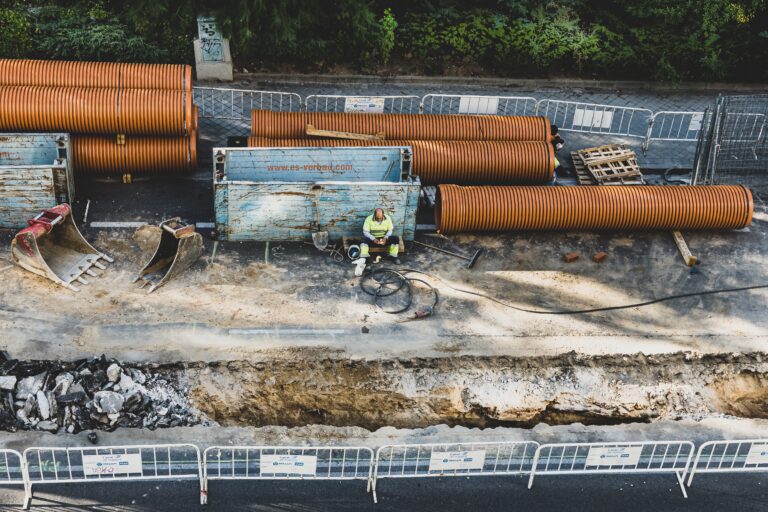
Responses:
[377,230]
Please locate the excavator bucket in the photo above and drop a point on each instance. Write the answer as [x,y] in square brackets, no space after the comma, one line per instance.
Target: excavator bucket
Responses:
[52,246]
[180,246]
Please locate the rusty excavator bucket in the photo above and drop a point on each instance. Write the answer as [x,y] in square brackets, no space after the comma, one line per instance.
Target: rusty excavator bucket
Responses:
[179,247]
[52,246]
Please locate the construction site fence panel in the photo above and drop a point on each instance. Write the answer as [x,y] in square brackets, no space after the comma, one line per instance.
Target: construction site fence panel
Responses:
[614,458]
[286,463]
[230,109]
[453,459]
[673,126]
[474,104]
[736,456]
[50,465]
[363,104]
[574,116]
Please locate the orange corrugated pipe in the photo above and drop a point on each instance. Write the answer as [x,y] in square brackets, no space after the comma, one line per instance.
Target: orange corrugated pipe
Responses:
[591,208]
[293,125]
[97,154]
[451,161]
[175,77]
[95,110]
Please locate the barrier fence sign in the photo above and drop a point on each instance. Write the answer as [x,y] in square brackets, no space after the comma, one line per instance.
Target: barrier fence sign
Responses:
[737,456]
[111,464]
[365,104]
[450,461]
[272,465]
[611,456]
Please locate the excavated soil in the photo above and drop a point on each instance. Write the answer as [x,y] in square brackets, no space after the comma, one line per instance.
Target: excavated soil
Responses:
[479,391]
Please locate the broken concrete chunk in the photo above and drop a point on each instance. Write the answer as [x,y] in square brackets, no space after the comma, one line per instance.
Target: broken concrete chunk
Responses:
[8,382]
[29,386]
[63,381]
[108,402]
[43,406]
[49,426]
[126,383]
[599,257]
[72,398]
[113,372]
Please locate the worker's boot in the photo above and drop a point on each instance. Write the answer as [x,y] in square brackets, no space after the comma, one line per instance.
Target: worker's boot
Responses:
[393,252]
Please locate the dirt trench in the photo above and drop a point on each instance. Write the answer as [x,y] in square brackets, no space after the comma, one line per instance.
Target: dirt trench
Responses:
[479,391]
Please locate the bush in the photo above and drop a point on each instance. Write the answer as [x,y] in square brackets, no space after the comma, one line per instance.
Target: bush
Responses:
[14,33]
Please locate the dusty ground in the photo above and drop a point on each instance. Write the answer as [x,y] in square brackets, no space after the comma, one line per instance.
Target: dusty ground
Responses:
[236,306]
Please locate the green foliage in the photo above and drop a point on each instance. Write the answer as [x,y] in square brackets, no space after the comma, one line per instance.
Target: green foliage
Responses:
[387,26]
[88,33]
[14,33]
[642,39]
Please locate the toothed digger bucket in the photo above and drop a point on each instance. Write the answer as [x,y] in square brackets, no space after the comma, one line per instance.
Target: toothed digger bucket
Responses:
[180,246]
[53,247]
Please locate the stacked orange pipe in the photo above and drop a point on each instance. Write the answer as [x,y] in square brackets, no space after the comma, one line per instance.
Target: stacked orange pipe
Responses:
[293,125]
[93,110]
[591,208]
[95,154]
[116,75]
[485,162]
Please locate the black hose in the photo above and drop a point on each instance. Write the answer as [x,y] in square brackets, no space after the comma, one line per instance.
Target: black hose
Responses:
[592,310]
[384,276]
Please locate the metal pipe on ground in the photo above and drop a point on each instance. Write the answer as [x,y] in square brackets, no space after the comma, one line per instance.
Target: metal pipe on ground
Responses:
[471,260]
[174,77]
[591,208]
[293,125]
[462,162]
[96,154]
[95,110]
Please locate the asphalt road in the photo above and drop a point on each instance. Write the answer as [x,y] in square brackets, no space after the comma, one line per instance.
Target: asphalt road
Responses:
[742,493]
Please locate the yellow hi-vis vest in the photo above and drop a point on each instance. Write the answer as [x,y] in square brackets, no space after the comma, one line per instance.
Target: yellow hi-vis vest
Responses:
[378,229]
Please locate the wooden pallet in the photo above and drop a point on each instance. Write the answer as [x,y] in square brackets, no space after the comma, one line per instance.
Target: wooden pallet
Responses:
[583,177]
[614,164]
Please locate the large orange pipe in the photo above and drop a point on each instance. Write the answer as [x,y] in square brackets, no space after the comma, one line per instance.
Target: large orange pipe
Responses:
[92,110]
[175,77]
[293,125]
[450,161]
[96,154]
[591,208]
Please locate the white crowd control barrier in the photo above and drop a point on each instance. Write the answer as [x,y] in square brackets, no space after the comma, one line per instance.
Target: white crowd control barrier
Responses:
[11,468]
[674,126]
[362,104]
[110,464]
[737,456]
[593,118]
[614,458]
[473,104]
[453,459]
[286,463]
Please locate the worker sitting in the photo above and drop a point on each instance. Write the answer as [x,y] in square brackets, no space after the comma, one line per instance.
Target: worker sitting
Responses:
[377,230]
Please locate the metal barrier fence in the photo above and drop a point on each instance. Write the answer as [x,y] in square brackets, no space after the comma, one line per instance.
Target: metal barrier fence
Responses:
[230,109]
[285,463]
[738,456]
[580,117]
[11,468]
[673,126]
[454,459]
[473,104]
[364,104]
[614,458]
[50,465]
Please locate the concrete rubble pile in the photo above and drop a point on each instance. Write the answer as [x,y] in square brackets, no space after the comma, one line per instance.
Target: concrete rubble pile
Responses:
[88,394]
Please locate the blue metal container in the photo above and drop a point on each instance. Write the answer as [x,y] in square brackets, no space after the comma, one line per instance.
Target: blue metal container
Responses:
[283,194]
[35,174]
